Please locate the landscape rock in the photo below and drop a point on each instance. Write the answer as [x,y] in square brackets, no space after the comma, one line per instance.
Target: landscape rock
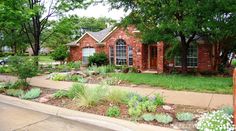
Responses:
[166,107]
[43,100]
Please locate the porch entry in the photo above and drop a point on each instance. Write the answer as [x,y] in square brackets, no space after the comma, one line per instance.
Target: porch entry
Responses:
[152,53]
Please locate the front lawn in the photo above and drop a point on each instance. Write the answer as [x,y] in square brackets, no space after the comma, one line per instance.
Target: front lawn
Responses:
[180,82]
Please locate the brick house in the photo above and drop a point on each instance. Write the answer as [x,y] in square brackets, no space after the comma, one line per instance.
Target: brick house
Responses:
[123,47]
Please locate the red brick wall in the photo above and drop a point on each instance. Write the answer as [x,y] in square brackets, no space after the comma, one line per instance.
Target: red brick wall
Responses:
[129,37]
[204,57]
[160,57]
[87,41]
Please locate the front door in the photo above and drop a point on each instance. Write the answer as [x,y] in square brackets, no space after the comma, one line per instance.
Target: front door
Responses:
[153,57]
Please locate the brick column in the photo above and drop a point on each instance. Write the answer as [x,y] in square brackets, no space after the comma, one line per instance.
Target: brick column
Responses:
[160,57]
[234,95]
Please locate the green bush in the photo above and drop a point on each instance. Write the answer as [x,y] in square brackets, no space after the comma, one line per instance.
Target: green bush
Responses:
[184,116]
[98,59]
[116,96]
[92,96]
[135,112]
[215,121]
[32,94]
[163,118]
[159,100]
[233,63]
[58,77]
[76,90]
[228,110]
[74,65]
[60,94]
[113,111]
[15,92]
[148,117]
[60,53]
[111,81]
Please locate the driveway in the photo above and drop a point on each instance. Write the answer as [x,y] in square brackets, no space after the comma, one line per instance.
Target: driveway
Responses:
[19,119]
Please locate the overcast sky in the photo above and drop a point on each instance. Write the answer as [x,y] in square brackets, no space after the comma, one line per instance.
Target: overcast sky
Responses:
[100,10]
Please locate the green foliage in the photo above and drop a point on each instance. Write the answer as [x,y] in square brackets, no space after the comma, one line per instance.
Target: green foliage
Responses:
[6,69]
[180,82]
[59,77]
[103,70]
[233,63]
[60,53]
[111,81]
[113,111]
[215,121]
[74,65]
[32,93]
[98,59]
[164,118]
[15,92]
[60,94]
[116,96]
[92,96]
[158,100]
[24,67]
[184,116]
[148,117]
[228,110]
[135,112]
[76,90]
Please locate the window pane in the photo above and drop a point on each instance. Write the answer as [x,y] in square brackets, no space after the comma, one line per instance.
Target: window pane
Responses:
[86,52]
[121,52]
[130,55]
[111,55]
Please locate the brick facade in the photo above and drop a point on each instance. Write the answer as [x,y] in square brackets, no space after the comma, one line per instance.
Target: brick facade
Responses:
[141,52]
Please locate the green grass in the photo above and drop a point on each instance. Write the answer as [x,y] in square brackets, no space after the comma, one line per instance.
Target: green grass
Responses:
[180,82]
[41,58]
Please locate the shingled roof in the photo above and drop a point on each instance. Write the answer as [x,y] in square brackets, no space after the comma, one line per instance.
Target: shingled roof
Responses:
[98,36]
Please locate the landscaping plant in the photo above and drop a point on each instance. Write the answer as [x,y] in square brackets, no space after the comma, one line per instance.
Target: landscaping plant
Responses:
[158,100]
[116,96]
[32,93]
[228,110]
[15,92]
[163,118]
[113,111]
[184,116]
[98,59]
[215,121]
[60,53]
[60,94]
[76,90]
[148,117]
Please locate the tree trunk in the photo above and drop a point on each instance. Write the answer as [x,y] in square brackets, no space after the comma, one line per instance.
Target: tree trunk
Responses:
[184,58]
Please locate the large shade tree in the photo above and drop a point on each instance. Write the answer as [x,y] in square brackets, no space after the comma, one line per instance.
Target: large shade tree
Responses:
[178,22]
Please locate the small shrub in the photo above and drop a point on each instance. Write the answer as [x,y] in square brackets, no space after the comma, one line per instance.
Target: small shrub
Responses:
[32,94]
[116,96]
[92,96]
[135,112]
[111,81]
[158,100]
[98,59]
[228,110]
[163,118]
[60,53]
[75,90]
[148,117]
[60,94]
[184,116]
[113,111]
[74,65]
[215,121]
[15,92]
[148,106]
[59,77]
[18,84]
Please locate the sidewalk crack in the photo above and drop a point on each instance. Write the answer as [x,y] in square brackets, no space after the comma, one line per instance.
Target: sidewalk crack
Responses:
[210,101]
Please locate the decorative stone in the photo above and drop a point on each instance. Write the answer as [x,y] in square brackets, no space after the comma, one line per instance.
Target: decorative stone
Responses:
[43,100]
[166,107]
[133,85]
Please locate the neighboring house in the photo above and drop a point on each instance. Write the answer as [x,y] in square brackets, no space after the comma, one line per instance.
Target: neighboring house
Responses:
[6,49]
[123,47]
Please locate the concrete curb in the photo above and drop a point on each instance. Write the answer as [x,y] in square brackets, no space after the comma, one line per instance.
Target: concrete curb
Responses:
[92,119]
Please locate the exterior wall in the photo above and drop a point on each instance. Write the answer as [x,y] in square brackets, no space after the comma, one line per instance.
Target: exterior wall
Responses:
[129,37]
[160,57]
[87,41]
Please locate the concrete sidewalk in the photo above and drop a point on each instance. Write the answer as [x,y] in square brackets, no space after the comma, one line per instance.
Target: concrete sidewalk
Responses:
[205,100]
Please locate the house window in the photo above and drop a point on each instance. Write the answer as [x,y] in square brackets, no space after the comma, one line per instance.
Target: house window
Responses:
[130,55]
[111,55]
[86,52]
[120,52]
[192,58]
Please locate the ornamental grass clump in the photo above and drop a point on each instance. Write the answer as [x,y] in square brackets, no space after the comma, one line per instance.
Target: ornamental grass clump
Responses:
[76,90]
[116,96]
[215,121]
[184,116]
[32,94]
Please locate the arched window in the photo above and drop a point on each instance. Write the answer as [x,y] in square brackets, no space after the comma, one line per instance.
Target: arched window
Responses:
[120,52]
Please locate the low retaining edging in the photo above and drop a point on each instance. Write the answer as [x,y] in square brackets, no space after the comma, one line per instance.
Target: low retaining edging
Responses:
[92,119]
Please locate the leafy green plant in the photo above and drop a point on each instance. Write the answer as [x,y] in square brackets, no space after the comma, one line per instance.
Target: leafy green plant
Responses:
[98,59]
[111,81]
[116,96]
[92,96]
[76,90]
[58,77]
[148,117]
[163,118]
[60,53]
[113,111]
[32,94]
[215,121]
[184,116]
[74,65]
[15,92]
[228,110]
[135,112]
[158,100]
[149,106]
[60,94]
